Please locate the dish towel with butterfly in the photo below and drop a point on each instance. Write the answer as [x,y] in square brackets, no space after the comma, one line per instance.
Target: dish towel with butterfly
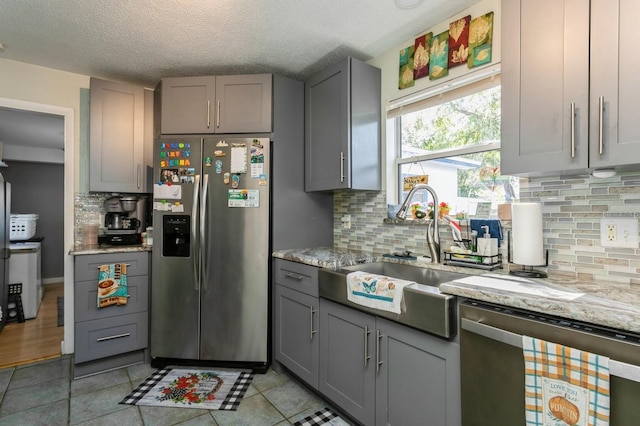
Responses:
[564,386]
[112,284]
[376,291]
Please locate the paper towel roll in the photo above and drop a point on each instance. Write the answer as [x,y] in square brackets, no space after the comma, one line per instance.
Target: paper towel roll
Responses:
[526,228]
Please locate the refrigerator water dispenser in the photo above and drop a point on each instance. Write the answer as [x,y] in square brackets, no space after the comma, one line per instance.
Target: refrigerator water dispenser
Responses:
[176,241]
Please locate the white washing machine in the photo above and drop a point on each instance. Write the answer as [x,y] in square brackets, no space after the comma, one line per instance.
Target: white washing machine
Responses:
[25,268]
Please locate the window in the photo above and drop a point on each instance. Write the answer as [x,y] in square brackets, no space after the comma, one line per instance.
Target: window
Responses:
[453,137]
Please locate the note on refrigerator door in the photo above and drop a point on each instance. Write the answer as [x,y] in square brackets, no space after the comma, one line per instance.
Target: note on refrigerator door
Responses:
[239,159]
[257,162]
[243,198]
[167,192]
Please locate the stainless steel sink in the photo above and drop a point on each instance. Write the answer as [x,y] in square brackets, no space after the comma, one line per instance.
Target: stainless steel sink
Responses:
[425,307]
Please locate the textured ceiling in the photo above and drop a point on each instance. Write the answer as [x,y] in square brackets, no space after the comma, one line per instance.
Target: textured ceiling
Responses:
[142,41]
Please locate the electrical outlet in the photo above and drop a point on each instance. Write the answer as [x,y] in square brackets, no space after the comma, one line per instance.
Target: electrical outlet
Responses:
[346,221]
[619,232]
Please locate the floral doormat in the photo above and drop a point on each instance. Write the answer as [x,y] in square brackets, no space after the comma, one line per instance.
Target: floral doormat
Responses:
[192,388]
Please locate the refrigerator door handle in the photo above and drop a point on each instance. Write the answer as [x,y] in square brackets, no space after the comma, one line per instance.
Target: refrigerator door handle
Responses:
[203,221]
[195,251]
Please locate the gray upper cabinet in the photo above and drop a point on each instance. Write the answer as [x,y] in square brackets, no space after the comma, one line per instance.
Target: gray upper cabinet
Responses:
[568,90]
[342,128]
[243,103]
[614,83]
[217,104]
[187,104]
[117,139]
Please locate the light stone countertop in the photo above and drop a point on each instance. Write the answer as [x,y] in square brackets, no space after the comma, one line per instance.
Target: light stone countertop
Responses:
[608,304]
[78,251]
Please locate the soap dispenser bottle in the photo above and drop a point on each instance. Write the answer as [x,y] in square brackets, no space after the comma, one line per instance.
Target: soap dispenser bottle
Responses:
[487,246]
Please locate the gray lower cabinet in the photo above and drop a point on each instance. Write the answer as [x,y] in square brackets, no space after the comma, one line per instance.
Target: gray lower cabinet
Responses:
[117,137]
[347,360]
[116,335]
[418,378]
[384,373]
[297,319]
[580,112]
[216,104]
[342,128]
[296,336]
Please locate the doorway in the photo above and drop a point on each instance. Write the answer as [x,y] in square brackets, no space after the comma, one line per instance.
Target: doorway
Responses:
[67,156]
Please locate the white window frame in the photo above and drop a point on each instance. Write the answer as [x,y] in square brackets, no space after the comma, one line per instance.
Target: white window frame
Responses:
[484,78]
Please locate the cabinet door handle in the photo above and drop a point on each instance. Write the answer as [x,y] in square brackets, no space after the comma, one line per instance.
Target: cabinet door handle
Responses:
[292,276]
[218,115]
[341,166]
[208,114]
[573,129]
[117,336]
[600,124]
[378,360]
[367,357]
[311,312]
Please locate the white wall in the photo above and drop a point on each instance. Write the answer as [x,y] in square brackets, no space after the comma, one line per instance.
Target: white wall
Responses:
[388,62]
[47,90]
[42,85]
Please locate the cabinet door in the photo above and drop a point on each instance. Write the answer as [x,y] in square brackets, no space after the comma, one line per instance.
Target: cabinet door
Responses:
[615,83]
[418,378]
[187,105]
[545,85]
[243,103]
[347,360]
[116,137]
[327,129]
[296,333]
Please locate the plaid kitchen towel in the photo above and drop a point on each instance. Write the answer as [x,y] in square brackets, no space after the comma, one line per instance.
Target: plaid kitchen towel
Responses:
[564,385]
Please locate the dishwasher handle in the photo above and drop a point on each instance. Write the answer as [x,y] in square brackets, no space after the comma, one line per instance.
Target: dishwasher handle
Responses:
[616,368]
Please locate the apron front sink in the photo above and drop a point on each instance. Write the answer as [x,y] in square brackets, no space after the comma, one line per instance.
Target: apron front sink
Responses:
[424,306]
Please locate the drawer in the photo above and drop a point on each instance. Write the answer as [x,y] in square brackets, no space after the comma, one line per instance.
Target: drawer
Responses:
[86,295]
[111,336]
[297,276]
[86,266]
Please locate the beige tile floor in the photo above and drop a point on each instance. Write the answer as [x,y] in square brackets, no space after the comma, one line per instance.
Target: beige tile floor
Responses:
[44,394]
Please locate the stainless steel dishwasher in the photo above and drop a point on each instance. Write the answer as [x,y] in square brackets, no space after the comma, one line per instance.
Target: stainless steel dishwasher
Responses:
[492,363]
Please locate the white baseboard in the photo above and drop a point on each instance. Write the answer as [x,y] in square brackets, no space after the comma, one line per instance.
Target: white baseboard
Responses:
[53,280]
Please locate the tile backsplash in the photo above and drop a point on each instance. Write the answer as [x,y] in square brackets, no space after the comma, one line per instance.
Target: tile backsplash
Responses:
[88,210]
[573,208]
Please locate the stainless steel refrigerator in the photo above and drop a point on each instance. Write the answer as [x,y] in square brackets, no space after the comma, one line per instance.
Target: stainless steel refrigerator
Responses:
[5,252]
[211,251]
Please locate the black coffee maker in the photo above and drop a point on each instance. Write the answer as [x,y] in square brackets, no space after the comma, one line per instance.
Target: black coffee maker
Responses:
[122,221]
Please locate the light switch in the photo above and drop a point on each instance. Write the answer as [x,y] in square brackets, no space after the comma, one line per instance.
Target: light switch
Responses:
[619,232]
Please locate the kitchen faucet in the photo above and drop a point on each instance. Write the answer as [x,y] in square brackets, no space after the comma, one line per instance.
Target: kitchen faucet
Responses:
[433,233]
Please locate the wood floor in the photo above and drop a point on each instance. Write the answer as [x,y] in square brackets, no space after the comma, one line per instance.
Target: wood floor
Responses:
[35,339]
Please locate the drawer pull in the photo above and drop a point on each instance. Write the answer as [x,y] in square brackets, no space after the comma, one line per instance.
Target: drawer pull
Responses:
[128,264]
[117,336]
[292,276]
